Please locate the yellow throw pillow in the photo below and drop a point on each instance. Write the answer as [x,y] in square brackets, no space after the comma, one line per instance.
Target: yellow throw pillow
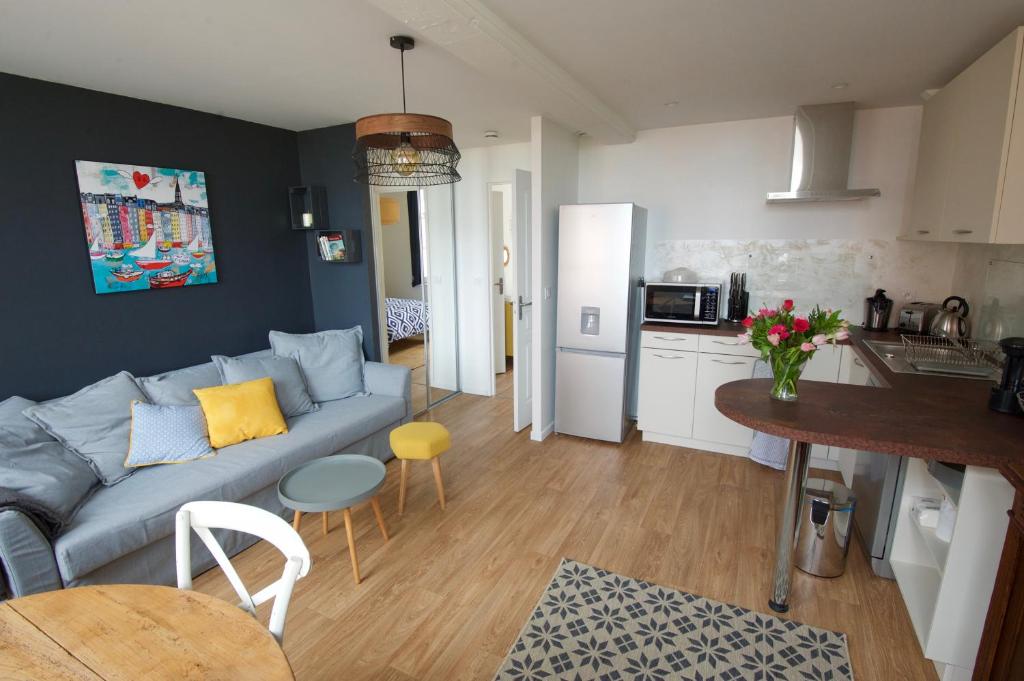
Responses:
[241,411]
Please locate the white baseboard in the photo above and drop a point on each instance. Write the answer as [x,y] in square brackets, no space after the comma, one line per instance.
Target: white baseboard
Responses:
[540,435]
[722,448]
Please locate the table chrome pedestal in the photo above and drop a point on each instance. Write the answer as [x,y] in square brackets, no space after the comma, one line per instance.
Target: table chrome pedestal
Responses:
[789,523]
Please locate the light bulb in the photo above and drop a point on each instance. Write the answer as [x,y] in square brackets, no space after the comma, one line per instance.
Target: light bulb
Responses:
[404,158]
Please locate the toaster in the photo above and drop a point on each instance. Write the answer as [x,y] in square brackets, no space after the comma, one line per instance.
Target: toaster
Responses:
[916,318]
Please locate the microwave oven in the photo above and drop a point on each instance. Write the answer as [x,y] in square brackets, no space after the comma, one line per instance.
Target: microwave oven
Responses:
[675,303]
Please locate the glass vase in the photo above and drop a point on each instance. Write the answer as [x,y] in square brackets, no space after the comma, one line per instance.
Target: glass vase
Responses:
[785,373]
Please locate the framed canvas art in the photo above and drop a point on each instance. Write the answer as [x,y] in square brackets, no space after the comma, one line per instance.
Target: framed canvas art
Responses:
[146,227]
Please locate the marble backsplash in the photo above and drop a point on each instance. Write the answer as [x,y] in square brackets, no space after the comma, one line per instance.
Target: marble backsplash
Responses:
[833,273]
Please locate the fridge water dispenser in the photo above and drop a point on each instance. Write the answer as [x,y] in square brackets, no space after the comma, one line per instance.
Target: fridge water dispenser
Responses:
[590,321]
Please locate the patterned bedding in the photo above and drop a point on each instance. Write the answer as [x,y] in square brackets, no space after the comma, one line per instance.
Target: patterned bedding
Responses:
[406,317]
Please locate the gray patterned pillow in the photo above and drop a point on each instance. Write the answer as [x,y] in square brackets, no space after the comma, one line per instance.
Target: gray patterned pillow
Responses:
[167,434]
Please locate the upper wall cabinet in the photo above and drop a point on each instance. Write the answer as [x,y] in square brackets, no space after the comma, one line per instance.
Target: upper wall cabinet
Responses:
[970,164]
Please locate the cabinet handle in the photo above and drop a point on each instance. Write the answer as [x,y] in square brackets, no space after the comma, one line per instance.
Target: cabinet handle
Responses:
[720,361]
[674,340]
[669,356]
[717,342]
[924,231]
[963,231]
[858,362]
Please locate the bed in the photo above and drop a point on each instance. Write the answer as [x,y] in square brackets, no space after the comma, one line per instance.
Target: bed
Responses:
[406,317]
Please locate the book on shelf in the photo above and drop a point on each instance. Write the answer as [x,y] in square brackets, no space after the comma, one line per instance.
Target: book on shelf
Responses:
[332,247]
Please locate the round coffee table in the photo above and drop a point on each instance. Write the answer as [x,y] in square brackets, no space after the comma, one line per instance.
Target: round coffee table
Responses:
[340,481]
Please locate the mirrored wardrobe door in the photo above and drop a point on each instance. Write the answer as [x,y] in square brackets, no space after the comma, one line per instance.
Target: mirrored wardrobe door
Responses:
[437,241]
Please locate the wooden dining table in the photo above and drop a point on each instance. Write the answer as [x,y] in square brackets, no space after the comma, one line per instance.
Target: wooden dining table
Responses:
[130,632]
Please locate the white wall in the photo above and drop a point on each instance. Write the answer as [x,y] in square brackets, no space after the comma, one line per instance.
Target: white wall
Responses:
[478,167]
[397,253]
[555,181]
[708,182]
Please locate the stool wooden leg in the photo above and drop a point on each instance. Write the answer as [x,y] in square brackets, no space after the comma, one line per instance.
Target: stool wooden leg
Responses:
[323,521]
[297,520]
[375,503]
[351,544]
[436,463]
[401,487]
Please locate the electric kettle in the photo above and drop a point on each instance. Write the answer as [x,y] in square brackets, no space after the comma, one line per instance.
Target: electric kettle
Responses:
[951,321]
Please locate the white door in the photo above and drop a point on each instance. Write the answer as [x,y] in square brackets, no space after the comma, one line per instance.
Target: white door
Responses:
[591,394]
[522,320]
[497,219]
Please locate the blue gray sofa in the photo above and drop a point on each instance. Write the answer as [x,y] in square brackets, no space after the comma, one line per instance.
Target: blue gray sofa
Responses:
[125,533]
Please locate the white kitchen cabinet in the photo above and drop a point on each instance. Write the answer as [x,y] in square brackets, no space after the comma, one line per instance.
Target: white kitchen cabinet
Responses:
[708,423]
[970,170]
[667,380]
[669,340]
[727,345]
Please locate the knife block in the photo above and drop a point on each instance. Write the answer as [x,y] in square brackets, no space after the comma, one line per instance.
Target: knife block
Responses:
[738,312]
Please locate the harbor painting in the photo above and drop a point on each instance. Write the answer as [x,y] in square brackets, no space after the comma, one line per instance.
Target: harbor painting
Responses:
[146,227]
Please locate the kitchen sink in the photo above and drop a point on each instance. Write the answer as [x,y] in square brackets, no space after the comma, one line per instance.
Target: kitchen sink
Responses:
[894,356]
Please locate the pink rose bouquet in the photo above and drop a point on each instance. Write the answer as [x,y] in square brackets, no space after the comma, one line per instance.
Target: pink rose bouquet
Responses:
[787,340]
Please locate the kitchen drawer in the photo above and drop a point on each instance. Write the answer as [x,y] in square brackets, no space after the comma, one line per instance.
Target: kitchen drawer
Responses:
[667,379]
[669,340]
[709,424]
[727,345]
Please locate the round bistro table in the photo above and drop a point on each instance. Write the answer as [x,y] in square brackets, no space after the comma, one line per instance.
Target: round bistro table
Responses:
[134,631]
[340,481]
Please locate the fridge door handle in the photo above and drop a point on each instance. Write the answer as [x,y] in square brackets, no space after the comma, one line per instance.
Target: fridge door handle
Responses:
[596,353]
[521,305]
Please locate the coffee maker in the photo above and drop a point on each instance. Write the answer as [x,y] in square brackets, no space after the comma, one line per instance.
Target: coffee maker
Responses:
[1004,397]
[876,311]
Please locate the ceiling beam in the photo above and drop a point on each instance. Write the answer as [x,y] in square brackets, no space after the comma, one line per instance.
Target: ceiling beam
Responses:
[473,33]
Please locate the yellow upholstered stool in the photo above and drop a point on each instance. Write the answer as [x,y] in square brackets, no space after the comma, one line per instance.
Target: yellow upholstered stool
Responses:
[420,440]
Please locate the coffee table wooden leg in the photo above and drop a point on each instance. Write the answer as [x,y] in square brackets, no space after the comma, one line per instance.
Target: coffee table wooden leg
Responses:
[437,480]
[375,503]
[351,544]
[297,520]
[401,487]
[323,522]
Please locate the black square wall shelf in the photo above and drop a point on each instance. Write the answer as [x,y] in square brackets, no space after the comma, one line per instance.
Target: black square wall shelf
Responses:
[308,207]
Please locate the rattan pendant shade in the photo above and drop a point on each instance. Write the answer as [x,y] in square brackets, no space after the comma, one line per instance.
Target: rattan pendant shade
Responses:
[405,149]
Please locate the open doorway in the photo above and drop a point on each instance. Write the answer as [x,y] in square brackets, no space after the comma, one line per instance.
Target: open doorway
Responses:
[416,288]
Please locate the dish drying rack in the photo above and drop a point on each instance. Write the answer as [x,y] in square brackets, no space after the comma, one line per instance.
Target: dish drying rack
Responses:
[947,355]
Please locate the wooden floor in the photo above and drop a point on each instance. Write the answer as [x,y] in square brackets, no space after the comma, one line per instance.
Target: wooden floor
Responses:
[449,593]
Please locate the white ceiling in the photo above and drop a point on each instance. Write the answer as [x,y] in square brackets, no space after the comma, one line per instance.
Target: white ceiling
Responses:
[304,64]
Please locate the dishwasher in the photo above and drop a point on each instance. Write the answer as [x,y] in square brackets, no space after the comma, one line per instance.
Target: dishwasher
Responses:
[878,486]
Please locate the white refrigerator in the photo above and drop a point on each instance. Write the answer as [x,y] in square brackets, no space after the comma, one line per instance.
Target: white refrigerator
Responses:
[600,270]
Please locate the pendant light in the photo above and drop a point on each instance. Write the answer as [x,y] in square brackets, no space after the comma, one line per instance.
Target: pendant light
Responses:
[404,149]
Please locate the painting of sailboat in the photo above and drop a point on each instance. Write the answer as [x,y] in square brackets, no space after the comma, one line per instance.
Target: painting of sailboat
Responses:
[146,227]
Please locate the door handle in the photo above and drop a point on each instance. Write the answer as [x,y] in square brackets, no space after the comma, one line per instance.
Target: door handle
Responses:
[519,309]
[501,285]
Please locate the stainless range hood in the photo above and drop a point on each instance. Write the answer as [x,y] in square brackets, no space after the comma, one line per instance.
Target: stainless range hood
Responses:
[822,135]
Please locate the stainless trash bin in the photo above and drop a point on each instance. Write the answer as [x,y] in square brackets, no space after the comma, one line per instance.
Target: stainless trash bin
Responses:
[826,525]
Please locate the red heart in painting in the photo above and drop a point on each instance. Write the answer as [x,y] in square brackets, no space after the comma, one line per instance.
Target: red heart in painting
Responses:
[140,179]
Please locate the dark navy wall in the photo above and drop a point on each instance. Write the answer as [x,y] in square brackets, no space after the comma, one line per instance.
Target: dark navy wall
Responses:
[343,293]
[57,335]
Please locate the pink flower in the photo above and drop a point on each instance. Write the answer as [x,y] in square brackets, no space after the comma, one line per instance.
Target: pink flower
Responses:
[800,325]
[773,338]
[748,322]
[787,304]
[808,347]
[842,334]
[765,312]
[819,339]
[744,338]
[779,330]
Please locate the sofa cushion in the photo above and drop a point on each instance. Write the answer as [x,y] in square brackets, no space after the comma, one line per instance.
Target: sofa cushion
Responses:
[47,474]
[175,387]
[331,361]
[241,411]
[168,433]
[16,429]
[94,423]
[289,384]
[121,519]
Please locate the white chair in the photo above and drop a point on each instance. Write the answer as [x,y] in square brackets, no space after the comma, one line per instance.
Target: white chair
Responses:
[202,516]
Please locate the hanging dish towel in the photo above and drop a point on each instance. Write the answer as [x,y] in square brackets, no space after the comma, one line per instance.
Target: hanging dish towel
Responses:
[765,449]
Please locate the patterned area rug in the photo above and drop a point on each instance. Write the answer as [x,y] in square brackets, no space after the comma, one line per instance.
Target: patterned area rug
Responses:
[595,624]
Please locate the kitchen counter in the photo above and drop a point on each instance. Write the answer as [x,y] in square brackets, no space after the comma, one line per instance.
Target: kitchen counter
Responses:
[928,417]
